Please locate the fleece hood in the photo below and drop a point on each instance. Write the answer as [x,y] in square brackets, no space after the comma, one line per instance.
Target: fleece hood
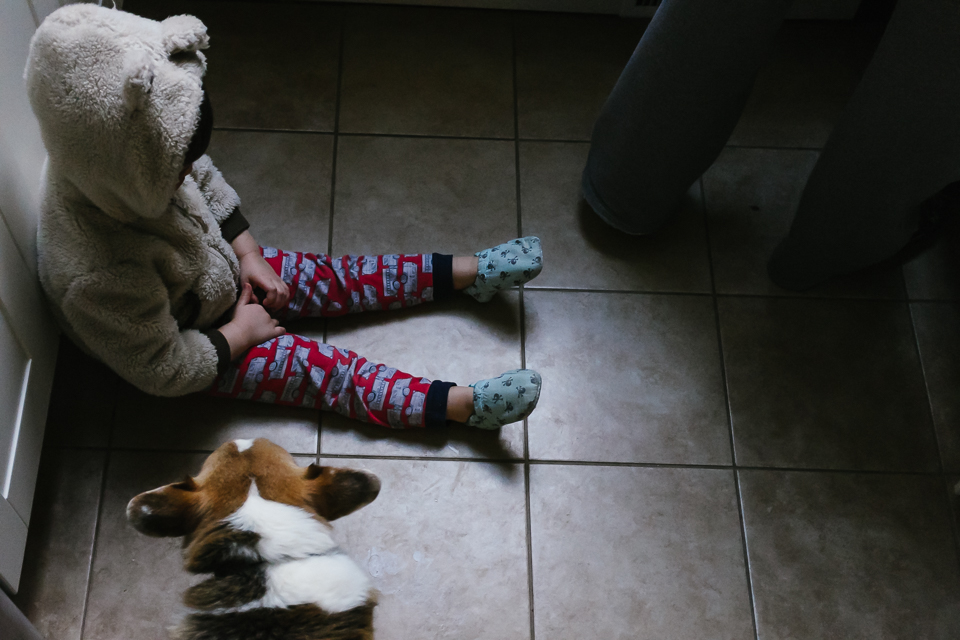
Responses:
[118,98]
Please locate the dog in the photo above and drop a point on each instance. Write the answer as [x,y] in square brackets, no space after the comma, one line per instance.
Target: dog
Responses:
[260,525]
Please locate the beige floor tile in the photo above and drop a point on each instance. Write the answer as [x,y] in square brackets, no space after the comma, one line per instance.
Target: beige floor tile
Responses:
[268,66]
[459,341]
[804,86]
[567,64]
[825,384]
[626,552]
[626,378]
[851,556]
[751,196]
[414,195]
[283,180]
[202,423]
[446,545]
[581,251]
[60,546]
[427,71]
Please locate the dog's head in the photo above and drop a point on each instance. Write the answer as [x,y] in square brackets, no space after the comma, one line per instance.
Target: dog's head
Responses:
[245,472]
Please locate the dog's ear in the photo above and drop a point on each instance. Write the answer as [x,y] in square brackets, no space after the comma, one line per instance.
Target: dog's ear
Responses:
[169,511]
[333,493]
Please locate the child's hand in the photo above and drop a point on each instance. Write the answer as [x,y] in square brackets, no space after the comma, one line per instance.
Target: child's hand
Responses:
[255,271]
[251,324]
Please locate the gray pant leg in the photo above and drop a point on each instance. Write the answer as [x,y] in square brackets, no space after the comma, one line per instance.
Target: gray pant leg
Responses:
[897,144]
[675,105]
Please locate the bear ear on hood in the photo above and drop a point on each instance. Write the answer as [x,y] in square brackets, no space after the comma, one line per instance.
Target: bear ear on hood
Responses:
[184,34]
[138,82]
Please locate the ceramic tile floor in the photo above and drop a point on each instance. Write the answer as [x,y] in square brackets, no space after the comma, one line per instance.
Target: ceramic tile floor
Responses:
[712,457]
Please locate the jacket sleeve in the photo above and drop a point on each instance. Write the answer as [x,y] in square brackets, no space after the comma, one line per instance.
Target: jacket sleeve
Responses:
[219,196]
[122,314]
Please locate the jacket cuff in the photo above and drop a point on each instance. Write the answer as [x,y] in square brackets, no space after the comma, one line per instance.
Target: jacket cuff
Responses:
[223,350]
[234,225]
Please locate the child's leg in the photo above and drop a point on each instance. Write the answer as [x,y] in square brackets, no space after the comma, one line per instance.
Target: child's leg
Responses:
[324,286]
[296,371]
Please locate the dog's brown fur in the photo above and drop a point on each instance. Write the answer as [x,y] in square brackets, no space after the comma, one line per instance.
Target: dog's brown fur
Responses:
[303,622]
[196,509]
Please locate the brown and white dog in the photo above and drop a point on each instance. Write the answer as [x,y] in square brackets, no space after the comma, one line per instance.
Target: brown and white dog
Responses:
[259,524]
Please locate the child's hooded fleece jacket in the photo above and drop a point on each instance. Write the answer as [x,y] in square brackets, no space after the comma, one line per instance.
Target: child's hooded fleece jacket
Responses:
[136,268]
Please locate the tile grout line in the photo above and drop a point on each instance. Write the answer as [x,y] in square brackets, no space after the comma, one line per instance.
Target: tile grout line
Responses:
[427,136]
[944,476]
[716,319]
[536,461]
[751,596]
[770,147]
[336,140]
[555,140]
[365,134]
[309,132]
[926,387]
[529,536]
[107,458]
[806,298]
[616,291]
[93,547]
[750,296]
[523,331]
[519,206]
[333,194]
[724,467]
[440,136]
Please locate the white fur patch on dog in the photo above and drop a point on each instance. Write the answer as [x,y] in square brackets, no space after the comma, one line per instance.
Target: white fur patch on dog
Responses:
[333,582]
[243,444]
[286,532]
[305,565]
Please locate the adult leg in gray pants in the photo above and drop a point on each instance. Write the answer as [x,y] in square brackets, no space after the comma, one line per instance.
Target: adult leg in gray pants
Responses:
[681,94]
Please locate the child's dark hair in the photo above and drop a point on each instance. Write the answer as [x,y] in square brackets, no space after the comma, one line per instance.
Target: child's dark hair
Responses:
[201,137]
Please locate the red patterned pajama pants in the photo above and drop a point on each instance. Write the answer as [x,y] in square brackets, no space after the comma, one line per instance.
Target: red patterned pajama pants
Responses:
[297,371]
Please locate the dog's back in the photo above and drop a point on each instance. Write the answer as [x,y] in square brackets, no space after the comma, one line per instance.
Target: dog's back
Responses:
[259,524]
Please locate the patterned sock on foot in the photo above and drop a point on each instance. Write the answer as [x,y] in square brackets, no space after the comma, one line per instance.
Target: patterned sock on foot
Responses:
[506,265]
[510,397]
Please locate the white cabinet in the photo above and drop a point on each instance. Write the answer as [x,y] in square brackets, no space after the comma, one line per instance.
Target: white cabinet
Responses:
[28,349]
[28,337]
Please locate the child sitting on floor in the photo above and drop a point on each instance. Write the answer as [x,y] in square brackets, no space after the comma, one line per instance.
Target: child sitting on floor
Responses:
[152,269]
